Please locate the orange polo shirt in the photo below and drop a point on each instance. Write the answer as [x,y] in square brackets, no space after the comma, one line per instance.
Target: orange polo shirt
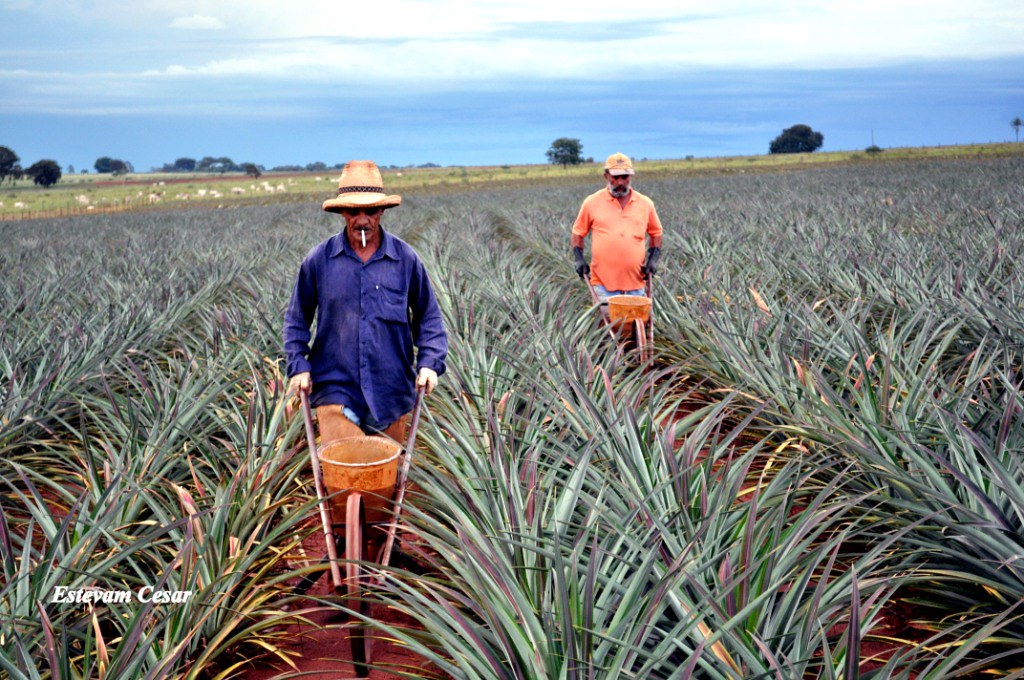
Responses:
[619,246]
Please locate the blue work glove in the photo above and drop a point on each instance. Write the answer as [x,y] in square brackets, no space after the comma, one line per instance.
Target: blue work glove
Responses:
[582,268]
[650,267]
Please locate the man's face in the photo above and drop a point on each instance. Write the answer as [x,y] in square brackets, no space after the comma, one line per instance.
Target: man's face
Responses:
[618,185]
[361,223]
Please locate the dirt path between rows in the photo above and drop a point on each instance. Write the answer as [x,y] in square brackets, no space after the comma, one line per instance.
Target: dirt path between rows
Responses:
[321,649]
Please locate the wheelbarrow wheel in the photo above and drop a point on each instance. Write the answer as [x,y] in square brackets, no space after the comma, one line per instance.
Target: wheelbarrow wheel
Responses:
[640,337]
[355,580]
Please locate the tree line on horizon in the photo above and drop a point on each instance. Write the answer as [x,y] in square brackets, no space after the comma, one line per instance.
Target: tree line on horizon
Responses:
[799,138]
[563,151]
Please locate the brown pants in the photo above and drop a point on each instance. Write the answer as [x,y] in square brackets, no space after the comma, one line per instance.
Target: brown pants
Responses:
[334,425]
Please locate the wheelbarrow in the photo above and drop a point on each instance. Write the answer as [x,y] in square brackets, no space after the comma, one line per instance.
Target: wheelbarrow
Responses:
[362,481]
[629,318]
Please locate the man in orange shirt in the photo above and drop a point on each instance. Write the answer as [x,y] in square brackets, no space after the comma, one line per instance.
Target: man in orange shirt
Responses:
[626,232]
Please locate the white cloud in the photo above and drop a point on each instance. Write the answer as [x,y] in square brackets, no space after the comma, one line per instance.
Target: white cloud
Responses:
[777,39]
[437,43]
[198,22]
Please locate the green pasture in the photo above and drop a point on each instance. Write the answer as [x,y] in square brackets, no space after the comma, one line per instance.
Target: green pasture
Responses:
[818,476]
[85,193]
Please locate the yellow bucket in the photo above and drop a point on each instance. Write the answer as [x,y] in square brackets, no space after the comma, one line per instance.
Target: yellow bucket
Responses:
[368,465]
[623,310]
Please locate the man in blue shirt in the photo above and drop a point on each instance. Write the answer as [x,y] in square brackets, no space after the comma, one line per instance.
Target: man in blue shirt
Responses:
[373,304]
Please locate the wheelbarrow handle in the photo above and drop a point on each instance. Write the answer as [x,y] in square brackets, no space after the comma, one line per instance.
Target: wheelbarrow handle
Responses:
[403,476]
[593,293]
[649,285]
[598,305]
[321,492]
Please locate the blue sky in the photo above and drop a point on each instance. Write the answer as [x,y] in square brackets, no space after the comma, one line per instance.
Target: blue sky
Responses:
[492,82]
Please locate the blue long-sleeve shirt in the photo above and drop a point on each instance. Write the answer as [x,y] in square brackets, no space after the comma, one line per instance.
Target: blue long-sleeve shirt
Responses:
[369,316]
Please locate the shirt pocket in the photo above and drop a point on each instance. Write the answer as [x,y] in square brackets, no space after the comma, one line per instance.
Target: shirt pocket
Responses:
[637,227]
[392,304]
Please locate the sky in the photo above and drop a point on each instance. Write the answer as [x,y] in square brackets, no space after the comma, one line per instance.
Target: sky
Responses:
[492,82]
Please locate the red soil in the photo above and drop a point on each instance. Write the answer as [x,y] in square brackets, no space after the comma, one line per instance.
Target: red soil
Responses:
[323,650]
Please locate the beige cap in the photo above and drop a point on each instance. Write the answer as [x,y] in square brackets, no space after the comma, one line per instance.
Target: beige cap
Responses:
[619,164]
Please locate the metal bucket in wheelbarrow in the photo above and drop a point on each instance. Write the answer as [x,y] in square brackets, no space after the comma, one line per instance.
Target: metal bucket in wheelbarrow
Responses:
[623,310]
[368,465]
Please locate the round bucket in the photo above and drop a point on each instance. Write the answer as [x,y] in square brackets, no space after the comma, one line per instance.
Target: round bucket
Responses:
[368,465]
[623,310]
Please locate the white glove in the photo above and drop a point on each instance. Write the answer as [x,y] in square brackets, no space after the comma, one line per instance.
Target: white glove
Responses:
[300,382]
[428,379]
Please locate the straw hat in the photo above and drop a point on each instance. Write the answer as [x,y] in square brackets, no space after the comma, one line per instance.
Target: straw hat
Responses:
[361,186]
[619,164]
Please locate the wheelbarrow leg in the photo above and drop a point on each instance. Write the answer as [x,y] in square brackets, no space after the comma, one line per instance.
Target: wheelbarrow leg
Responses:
[321,492]
[640,338]
[403,478]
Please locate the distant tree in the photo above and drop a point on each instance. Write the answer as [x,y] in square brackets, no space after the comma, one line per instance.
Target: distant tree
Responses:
[184,165]
[1017,124]
[44,172]
[211,164]
[318,166]
[565,151]
[8,160]
[118,167]
[71,169]
[797,139]
[102,164]
[252,170]
[873,149]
